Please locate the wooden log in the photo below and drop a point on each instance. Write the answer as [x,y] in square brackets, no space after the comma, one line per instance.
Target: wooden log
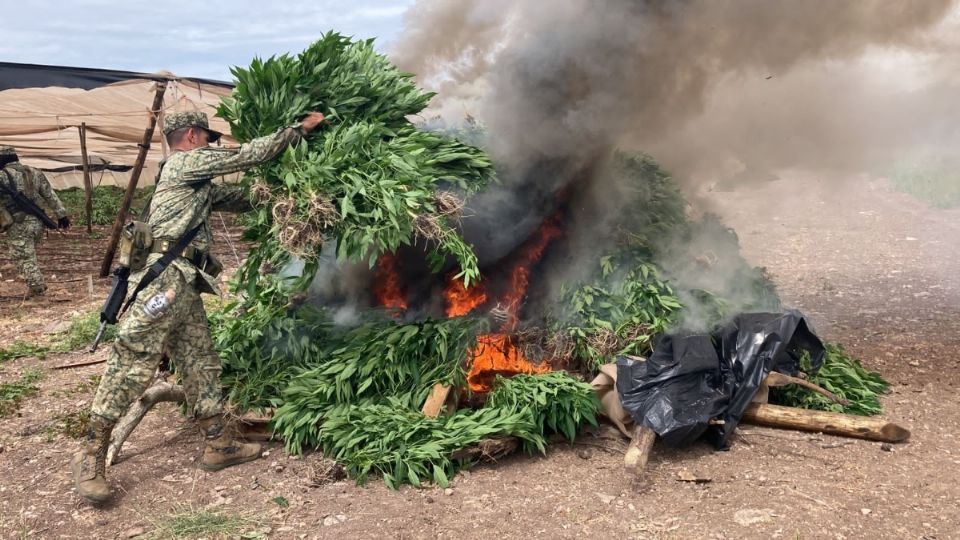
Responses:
[87,184]
[134,178]
[845,425]
[158,393]
[638,452]
[436,400]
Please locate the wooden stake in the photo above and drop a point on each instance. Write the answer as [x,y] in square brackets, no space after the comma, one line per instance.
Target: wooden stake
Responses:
[436,400]
[134,178]
[638,453]
[87,184]
[845,425]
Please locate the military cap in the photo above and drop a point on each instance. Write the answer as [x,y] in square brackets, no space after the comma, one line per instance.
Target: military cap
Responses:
[175,121]
[7,150]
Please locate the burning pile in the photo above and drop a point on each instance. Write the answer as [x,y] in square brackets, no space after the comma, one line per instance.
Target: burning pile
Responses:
[350,378]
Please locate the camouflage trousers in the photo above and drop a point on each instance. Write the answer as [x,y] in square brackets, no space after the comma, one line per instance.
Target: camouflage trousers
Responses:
[23,237]
[145,333]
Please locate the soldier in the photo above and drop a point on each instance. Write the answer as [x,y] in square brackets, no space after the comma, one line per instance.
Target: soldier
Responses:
[23,228]
[168,315]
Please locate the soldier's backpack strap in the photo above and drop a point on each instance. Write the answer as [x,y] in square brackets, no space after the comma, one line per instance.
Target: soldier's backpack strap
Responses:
[162,263]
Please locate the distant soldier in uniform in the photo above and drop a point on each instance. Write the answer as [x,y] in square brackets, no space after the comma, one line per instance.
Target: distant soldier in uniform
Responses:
[24,230]
[168,315]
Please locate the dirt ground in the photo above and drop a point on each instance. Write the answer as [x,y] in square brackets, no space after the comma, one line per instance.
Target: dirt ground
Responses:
[874,269]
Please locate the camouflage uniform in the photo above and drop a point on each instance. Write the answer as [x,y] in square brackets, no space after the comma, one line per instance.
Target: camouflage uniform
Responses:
[26,231]
[184,198]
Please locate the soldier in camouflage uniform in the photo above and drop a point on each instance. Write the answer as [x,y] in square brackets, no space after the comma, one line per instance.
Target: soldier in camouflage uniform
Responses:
[23,229]
[168,315]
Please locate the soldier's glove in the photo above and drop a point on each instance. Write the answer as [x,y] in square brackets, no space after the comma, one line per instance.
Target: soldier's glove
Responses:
[63,223]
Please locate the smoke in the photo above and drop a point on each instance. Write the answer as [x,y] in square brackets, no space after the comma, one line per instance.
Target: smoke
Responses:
[698,83]
[732,90]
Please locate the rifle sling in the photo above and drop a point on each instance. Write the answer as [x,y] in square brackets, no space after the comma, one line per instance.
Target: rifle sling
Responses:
[155,269]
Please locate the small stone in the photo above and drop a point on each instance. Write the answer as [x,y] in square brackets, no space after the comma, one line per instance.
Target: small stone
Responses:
[632,507]
[266,453]
[606,499]
[584,453]
[448,492]
[753,516]
[278,469]
[133,532]
[341,518]
[428,499]
[330,521]
[886,447]
[865,511]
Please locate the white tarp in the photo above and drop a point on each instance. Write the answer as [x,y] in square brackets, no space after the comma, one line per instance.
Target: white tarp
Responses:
[42,124]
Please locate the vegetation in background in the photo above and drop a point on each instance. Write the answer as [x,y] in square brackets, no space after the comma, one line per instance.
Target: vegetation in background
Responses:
[12,394]
[933,180]
[23,349]
[106,203]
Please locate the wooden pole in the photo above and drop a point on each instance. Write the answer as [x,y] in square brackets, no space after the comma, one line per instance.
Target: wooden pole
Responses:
[134,178]
[845,425]
[638,453]
[87,184]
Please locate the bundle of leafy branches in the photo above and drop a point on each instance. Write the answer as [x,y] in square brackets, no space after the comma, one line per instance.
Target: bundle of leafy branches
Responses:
[845,377]
[405,446]
[370,362]
[370,181]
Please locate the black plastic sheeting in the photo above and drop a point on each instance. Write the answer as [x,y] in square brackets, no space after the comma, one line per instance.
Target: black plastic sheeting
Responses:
[690,379]
[14,75]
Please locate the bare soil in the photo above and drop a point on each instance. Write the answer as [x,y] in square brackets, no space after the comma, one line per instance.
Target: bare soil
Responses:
[874,269]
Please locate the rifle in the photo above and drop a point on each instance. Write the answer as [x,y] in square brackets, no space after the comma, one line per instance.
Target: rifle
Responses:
[22,202]
[110,311]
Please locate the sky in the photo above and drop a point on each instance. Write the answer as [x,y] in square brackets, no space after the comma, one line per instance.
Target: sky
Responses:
[188,38]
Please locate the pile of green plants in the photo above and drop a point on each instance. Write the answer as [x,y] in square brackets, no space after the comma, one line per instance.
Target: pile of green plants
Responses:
[371,182]
[842,375]
[106,203]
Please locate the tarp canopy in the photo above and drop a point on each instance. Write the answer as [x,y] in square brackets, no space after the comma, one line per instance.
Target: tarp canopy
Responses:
[42,123]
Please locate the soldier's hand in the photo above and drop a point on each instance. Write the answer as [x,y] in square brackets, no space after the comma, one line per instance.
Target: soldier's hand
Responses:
[312,121]
[63,223]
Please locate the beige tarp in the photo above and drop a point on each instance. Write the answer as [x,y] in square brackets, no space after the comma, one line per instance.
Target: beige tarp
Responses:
[42,124]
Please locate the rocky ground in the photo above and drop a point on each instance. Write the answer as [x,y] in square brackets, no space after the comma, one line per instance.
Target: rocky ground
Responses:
[874,269]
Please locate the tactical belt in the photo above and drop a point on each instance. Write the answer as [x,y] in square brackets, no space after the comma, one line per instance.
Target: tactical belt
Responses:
[198,258]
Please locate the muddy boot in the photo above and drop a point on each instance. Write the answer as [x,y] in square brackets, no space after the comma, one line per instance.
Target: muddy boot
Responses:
[90,463]
[222,449]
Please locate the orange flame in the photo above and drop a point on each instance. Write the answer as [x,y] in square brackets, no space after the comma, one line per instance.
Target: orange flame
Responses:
[495,354]
[461,300]
[520,275]
[387,287]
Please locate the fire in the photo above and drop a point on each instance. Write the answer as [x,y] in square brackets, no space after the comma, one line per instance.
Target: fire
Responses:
[461,300]
[520,275]
[387,287]
[495,354]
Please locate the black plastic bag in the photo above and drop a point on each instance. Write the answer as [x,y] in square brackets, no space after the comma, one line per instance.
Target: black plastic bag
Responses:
[690,379]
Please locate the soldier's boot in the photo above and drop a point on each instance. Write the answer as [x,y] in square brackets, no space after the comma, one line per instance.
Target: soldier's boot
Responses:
[222,449]
[90,463]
